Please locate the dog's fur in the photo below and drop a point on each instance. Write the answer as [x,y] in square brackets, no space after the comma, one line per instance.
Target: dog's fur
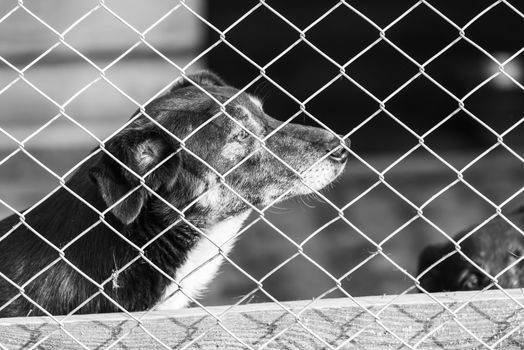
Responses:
[56,286]
[493,248]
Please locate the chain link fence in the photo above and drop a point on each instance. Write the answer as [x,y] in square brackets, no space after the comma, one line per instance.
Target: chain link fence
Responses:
[381,175]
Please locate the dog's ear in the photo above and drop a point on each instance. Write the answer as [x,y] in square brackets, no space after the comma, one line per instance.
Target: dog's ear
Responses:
[203,79]
[139,150]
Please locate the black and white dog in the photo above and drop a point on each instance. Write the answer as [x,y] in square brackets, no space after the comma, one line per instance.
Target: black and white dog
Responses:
[55,285]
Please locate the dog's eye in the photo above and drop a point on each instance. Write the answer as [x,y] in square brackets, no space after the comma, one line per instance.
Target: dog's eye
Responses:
[242,135]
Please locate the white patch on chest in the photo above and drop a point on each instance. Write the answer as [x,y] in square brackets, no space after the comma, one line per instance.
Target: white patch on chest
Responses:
[202,263]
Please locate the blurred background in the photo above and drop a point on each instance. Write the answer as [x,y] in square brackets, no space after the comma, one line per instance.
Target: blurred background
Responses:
[139,71]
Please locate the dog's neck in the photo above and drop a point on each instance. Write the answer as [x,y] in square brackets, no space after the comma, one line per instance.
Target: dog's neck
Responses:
[100,253]
[202,262]
[190,253]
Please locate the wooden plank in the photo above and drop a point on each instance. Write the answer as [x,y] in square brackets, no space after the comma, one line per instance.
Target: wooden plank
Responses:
[21,34]
[102,38]
[489,316]
[100,107]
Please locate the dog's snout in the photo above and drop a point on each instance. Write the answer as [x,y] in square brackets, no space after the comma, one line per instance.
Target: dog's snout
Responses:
[338,150]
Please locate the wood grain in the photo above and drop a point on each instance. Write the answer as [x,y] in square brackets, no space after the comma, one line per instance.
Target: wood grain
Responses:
[489,316]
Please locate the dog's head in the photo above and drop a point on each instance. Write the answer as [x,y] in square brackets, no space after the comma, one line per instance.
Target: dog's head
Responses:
[455,273]
[491,249]
[228,161]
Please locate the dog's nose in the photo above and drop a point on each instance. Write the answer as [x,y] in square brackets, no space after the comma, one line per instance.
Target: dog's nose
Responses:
[339,153]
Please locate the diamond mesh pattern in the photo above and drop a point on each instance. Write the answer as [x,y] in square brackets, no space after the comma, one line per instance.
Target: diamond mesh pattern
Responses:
[381,175]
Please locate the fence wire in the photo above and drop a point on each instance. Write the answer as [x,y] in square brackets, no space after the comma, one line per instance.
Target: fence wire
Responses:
[302,37]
